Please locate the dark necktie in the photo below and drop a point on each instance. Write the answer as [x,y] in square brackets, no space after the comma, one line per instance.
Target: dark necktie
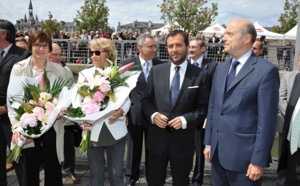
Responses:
[231,74]
[1,55]
[175,86]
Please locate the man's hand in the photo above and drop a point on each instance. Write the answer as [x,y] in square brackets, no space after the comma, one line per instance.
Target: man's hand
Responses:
[3,110]
[206,153]
[254,172]
[118,113]
[176,123]
[160,120]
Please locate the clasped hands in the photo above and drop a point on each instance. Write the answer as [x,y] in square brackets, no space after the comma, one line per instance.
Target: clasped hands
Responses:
[162,121]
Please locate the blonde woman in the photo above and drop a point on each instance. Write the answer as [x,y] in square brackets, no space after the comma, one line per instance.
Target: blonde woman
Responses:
[104,136]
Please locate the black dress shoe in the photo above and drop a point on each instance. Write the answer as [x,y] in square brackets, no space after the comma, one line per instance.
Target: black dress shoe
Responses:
[73,177]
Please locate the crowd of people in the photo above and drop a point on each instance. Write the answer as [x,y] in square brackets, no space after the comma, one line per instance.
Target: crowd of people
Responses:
[189,107]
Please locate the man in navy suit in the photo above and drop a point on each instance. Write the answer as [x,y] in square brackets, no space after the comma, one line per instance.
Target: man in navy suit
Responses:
[242,113]
[137,125]
[10,54]
[175,101]
[197,49]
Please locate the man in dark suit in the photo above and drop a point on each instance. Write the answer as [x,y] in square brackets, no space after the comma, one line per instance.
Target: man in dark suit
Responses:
[137,125]
[9,55]
[175,101]
[197,49]
[289,161]
[242,111]
[213,49]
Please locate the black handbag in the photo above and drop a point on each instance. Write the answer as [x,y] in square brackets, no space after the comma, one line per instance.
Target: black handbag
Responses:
[77,134]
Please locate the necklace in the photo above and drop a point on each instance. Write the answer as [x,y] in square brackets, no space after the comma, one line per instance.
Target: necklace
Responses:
[35,70]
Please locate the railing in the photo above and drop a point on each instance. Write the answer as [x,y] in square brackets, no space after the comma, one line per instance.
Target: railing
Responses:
[77,51]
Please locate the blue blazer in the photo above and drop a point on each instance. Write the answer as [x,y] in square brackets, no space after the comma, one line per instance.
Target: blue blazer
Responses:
[241,122]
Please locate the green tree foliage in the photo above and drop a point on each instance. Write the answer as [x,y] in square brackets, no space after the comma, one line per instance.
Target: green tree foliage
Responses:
[50,25]
[190,15]
[93,15]
[288,19]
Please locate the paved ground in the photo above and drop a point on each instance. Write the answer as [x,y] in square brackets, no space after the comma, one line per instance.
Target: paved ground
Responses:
[83,172]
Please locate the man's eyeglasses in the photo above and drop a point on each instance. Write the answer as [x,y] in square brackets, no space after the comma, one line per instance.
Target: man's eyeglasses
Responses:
[97,53]
[40,46]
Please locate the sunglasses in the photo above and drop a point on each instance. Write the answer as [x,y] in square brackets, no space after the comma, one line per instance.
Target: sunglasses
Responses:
[97,53]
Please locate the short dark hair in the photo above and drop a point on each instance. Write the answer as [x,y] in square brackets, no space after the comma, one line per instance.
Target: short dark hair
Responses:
[180,32]
[261,44]
[40,36]
[9,28]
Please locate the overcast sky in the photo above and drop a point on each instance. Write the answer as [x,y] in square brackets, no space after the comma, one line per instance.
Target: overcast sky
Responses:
[126,11]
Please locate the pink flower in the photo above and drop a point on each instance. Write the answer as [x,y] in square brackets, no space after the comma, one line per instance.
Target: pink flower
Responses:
[28,119]
[126,67]
[49,106]
[89,106]
[98,96]
[42,82]
[39,112]
[105,86]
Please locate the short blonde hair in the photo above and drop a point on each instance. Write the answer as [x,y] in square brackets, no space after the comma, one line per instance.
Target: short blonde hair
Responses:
[107,45]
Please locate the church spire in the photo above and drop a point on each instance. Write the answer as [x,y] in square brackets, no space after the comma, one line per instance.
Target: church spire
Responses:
[30,5]
[31,16]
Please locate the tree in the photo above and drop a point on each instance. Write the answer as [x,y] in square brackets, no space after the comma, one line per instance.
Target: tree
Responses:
[93,15]
[288,19]
[50,25]
[190,15]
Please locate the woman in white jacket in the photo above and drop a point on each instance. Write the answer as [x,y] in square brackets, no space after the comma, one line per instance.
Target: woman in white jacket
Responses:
[109,133]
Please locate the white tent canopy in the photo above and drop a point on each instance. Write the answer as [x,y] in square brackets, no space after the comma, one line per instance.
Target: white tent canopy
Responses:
[216,27]
[291,34]
[269,35]
[164,29]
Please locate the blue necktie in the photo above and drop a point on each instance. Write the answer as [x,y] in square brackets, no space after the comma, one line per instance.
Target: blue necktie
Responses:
[175,86]
[146,70]
[231,74]
[196,64]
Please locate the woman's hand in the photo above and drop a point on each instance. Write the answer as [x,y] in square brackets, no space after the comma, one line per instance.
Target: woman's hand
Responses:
[86,126]
[62,112]
[118,113]
[18,136]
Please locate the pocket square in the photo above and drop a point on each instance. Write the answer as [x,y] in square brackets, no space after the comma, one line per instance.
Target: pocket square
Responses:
[194,87]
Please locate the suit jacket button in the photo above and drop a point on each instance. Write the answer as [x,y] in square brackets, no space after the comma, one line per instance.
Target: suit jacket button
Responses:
[222,114]
[217,131]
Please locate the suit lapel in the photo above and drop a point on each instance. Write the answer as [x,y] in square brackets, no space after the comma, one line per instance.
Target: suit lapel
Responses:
[246,69]
[185,81]
[204,64]
[224,73]
[7,57]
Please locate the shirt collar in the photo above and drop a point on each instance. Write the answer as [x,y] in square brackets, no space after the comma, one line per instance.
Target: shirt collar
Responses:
[6,49]
[243,58]
[183,66]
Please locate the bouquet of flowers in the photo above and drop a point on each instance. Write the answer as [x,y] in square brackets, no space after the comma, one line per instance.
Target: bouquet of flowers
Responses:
[37,110]
[98,94]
